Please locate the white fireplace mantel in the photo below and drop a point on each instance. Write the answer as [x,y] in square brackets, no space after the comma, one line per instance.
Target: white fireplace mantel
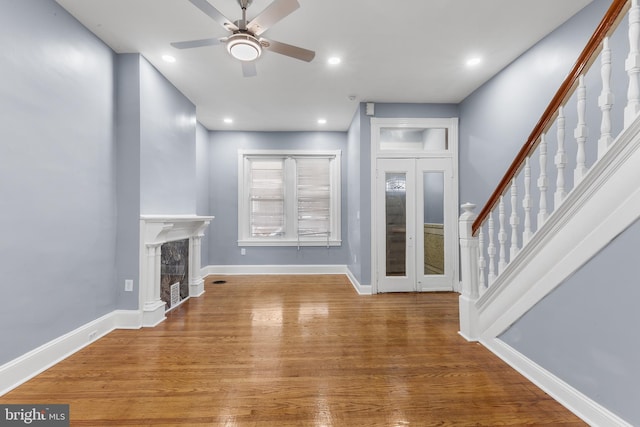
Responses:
[154,231]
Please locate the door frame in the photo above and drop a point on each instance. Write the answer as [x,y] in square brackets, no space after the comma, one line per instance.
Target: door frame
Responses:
[451,124]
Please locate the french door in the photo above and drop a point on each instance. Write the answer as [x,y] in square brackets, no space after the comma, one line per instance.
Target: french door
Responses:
[415,224]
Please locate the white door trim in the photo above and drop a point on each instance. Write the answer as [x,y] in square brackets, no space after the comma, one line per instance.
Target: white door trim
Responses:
[376,124]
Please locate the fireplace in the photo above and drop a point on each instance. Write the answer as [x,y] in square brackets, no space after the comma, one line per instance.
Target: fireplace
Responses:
[174,273]
[155,232]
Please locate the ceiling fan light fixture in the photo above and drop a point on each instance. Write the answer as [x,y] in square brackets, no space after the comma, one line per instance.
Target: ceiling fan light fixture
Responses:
[244,47]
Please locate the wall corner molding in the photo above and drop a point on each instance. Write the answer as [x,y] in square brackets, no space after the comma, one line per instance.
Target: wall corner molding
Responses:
[360,289]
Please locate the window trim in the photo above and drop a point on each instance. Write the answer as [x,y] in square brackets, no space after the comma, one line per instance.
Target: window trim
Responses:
[244,234]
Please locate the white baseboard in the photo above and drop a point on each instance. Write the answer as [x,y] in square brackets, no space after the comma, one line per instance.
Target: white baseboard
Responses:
[30,364]
[360,289]
[128,319]
[589,411]
[231,270]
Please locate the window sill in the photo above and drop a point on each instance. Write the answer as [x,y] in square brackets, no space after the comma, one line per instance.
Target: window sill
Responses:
[292,243]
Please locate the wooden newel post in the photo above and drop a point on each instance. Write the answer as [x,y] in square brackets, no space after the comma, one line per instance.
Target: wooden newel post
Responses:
[469,273]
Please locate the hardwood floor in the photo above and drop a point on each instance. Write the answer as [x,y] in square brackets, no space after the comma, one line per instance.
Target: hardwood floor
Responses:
[294,351]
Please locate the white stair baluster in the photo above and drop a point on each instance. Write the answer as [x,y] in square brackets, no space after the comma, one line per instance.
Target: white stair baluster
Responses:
[502,238]
[632,65]
[560,161]
[605,100]
[542,182]
[491,251]
[514,221]
[580,134]
[482,263]
[526,204]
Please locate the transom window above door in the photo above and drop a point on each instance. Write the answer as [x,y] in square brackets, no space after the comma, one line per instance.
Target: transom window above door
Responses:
[289,198]
[413,139]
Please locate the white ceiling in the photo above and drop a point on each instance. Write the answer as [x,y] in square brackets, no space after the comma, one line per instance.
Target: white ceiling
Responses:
[405,51]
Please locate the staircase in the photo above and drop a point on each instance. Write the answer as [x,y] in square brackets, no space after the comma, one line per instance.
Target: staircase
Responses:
[567,195]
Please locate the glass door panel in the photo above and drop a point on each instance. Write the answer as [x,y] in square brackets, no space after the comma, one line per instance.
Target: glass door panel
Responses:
[396,223]
[433,222]
[436,240]
[413,140]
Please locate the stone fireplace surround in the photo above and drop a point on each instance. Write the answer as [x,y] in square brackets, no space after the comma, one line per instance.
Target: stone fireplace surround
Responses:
[154,231]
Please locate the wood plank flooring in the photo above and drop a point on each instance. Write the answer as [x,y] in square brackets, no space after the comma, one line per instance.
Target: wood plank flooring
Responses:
[294,351]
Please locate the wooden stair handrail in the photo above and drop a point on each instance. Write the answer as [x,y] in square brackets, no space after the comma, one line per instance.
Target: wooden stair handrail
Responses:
[611,18]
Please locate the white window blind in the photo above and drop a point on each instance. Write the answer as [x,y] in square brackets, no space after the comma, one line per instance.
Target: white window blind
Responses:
[266,193]
[314,196]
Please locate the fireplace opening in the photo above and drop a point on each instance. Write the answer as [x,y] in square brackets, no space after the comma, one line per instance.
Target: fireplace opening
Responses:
[174,271]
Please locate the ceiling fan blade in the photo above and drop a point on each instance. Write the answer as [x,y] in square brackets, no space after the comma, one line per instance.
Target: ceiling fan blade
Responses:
[272,14]
[197,43]
[289,50]
[249,69]
[214,14]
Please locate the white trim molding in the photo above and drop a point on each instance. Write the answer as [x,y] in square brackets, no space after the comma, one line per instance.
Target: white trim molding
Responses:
[588,410]
[234,270]
[449,152]
[27,366]
[360,289]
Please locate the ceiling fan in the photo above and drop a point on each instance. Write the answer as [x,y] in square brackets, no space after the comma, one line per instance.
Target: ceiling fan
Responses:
[245,43]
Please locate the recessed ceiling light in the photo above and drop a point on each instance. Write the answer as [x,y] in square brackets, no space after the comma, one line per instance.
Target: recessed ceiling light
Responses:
[322,121]
[334,60]
[228,120]
[169,58]
[472,62]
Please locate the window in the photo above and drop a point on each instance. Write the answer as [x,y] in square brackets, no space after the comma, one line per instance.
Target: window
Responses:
[288,198]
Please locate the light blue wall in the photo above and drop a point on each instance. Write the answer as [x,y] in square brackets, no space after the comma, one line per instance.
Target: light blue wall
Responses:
[128,176]
[203,183]
[365,196]
[167,146]
[57,183]
[223,248]
[354,213]
[356,249]
[156,146]
[585,330]
[496,120]
[90,140]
